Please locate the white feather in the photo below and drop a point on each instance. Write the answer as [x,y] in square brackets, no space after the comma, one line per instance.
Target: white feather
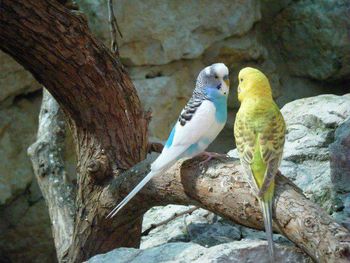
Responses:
[199,127]
[202,126]
[134,191]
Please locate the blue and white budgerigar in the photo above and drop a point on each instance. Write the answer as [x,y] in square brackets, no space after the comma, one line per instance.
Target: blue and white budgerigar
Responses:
[199,123]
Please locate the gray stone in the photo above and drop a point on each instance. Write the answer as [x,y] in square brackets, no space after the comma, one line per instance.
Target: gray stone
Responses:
[238,251]
[17,131]
[170,31]
[340,158]
[314,38]
[201,227]
[25,230]
[311,125]
[14,79]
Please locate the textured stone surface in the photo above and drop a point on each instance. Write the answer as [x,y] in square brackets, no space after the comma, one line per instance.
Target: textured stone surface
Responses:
[340,158]
[314,37]
[311,125]
[25,229]
[17,130]
[234,252]
[201,227]
[180,30]
[14,80]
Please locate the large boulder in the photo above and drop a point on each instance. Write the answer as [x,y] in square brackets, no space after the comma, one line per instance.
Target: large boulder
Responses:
[17,130]
[311,128]
[234,252]
[179,30]
[340,158]
[314,38]
[14,80]
[25,228]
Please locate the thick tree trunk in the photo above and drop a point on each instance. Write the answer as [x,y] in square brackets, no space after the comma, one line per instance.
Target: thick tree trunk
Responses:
[98,99]
[110,131]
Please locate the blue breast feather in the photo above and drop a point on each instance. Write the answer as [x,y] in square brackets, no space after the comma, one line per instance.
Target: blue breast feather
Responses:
[169,142]
[220,103]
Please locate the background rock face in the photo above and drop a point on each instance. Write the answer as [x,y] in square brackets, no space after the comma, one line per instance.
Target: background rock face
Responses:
[303,46]
[235,252]
[314,38]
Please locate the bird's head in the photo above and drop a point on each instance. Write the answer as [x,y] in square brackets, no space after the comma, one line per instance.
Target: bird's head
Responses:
[214,80]
[252,82]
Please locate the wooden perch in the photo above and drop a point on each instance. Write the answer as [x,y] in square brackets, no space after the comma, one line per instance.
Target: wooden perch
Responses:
[223,190]
[109,128]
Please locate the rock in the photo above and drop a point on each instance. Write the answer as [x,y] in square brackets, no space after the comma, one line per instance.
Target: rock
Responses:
[340,158]
[311,125]
[14,79]
[201,227]
[168,32]
[173,32]
[238,251]
[17,130]
[314,38]
[25,229]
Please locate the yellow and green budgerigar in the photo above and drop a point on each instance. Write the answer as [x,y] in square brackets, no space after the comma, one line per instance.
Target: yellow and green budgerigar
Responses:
[259,132]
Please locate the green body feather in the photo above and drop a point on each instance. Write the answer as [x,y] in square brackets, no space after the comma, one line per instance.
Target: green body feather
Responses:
[259,132]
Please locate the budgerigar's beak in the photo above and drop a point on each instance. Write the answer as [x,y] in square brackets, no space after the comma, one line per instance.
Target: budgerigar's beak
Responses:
[227,81]
[239,89]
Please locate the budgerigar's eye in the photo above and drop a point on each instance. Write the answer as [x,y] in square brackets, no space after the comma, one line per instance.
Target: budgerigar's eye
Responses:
[216,76]
[241,80]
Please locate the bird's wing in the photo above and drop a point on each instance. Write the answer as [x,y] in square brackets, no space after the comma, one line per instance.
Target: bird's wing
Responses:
[181,138]
[271,142]
[245,141]
[187,134]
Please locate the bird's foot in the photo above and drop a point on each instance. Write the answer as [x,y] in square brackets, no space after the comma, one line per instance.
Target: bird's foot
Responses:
[211,155]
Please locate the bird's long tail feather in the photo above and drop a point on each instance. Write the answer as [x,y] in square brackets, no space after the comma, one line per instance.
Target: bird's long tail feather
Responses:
[132,193]
[266,207]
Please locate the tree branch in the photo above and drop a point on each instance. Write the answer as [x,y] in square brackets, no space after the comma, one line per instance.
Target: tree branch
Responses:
[223,190]
[90,84]
[47,158]
[114,28]
[166,221]
[100,103]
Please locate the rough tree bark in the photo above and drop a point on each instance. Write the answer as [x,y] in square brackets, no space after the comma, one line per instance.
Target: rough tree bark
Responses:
[47,158]
[100,104]
[110,132]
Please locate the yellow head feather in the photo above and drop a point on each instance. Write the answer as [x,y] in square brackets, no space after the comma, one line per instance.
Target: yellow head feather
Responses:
[253,83]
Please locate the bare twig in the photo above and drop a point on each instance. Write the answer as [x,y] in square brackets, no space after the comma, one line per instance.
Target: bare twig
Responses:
[174,216]
[48,164]
[114,27]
